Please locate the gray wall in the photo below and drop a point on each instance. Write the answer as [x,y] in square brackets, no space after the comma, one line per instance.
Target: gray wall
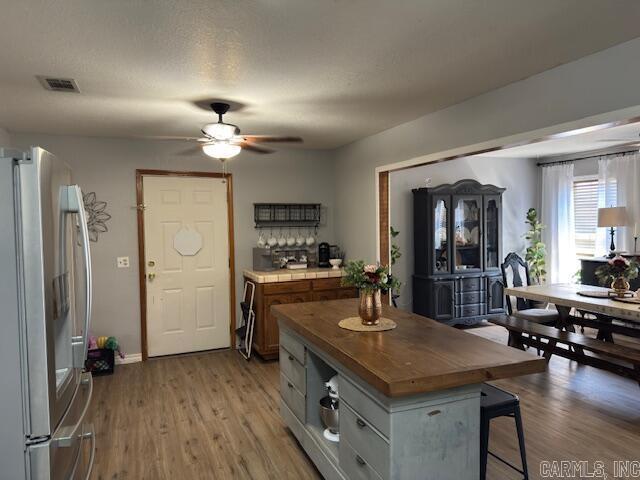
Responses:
[5,138]
[107,166]
[566,93]
[521,194]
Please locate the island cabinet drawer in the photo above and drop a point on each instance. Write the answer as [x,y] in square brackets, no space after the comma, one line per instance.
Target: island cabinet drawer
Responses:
[293,370]
[353,464]
[373,448]
[293,346]
[293,398]
[367,408]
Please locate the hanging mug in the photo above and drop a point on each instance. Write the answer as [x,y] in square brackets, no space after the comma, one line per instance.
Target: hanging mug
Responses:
[272,240]
[261,241]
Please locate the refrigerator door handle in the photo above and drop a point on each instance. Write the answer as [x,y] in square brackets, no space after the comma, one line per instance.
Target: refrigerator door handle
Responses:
[75,204]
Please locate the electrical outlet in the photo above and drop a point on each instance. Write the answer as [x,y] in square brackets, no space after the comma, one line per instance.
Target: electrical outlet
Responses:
[123,262]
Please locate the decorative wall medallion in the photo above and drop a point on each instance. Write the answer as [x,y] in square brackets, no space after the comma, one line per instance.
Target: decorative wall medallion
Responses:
[96,215]
[187,242]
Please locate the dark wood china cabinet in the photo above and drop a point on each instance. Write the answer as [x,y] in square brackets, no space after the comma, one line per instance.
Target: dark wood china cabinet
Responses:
[458,249]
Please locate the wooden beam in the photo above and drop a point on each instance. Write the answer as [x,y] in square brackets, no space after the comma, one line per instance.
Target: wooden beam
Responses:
[383,209]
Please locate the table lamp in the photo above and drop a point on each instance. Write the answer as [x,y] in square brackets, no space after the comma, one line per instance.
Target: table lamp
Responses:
[612,217]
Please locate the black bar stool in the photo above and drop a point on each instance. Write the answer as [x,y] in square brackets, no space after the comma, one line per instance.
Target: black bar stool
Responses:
[494,403]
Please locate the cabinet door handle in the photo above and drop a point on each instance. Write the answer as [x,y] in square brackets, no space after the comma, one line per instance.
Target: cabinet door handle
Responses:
[360,461]
[291,358]
[289,384]
[360,423]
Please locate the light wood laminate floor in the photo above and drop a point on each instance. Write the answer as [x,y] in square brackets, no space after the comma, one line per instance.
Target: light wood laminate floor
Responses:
[216,416]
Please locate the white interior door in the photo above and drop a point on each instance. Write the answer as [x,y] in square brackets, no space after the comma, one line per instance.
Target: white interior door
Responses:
[187,264]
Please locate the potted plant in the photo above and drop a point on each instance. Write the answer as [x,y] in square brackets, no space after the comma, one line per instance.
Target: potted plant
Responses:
[618,270]
[371,280]
[395,256]
[536,251]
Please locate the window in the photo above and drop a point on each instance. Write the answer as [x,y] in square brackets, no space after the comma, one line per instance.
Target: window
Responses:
[585,204]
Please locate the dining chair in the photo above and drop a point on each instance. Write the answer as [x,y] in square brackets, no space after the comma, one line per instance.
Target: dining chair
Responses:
[515,273]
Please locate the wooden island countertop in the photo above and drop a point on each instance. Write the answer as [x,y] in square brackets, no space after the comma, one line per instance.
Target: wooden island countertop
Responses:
[420,355]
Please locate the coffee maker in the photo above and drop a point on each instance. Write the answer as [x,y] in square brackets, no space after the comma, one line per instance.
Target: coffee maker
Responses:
[324,255]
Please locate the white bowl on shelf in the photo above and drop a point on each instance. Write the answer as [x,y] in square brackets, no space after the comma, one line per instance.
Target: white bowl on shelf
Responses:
[335,263]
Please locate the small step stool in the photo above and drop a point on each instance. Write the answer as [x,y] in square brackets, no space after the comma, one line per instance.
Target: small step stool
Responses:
[245,331]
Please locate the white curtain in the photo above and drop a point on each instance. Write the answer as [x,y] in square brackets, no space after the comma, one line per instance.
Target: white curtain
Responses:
[619,186]
[557,216]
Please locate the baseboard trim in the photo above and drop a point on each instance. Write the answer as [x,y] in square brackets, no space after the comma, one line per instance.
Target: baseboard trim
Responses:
[129,358]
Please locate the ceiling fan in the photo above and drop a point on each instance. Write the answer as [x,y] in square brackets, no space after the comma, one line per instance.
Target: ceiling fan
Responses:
[223,140]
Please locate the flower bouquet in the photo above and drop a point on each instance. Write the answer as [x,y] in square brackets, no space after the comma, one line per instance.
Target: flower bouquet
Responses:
[371,280]
[618,270]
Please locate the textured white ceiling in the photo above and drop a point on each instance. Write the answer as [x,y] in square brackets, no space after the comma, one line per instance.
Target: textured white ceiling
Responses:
[592,140]
[331,71]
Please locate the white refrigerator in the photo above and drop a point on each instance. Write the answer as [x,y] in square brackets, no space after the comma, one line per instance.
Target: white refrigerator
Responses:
[45,310]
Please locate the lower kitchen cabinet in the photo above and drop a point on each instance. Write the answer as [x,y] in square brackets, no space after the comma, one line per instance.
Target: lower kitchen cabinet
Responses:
[266,333]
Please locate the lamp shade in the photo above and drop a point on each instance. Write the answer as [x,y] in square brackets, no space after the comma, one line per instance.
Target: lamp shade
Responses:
[612,217]
[221,150]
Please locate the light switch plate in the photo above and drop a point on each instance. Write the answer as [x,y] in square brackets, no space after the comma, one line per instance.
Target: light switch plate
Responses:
[123,262]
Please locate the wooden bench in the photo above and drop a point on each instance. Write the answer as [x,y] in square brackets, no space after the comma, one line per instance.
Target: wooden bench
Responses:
[576,345]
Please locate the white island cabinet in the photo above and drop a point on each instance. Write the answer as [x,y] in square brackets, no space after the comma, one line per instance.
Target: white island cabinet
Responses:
[409,398]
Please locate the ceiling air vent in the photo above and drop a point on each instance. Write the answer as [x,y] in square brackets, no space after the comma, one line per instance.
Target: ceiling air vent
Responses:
[59,84]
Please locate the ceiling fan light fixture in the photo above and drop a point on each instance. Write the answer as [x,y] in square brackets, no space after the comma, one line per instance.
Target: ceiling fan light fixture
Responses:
[221,150]
[220,131]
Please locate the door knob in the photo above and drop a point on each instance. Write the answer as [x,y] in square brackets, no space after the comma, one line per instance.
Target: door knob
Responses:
[151,276]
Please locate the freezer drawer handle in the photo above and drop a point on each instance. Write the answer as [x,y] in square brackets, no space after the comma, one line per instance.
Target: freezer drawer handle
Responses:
[70,434]
[92,435]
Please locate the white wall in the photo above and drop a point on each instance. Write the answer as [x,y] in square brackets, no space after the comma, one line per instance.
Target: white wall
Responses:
[5,138]
[597,84]
[522,193]
[107,166]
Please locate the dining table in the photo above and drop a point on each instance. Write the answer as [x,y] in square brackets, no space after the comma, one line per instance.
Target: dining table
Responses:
[582,306]
[608,315]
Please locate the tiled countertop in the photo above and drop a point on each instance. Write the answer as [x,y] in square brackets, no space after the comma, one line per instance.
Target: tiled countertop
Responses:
[284,275]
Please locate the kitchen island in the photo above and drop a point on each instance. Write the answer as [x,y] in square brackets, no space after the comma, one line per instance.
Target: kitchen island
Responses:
[409,397]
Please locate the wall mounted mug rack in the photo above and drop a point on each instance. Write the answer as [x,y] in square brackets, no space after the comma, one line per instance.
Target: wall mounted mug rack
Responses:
[287,214]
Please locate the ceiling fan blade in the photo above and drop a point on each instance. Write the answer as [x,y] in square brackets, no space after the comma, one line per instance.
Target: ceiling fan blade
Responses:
[169,138]
[190,151]
[255,148]
[271,138]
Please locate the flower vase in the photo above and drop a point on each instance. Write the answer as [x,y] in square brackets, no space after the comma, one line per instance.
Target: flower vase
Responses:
[620,286]
[370,308]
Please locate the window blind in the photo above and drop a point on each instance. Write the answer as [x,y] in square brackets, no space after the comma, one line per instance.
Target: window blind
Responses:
[585,204]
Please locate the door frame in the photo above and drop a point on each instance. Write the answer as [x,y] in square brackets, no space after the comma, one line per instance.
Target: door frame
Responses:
[140,173]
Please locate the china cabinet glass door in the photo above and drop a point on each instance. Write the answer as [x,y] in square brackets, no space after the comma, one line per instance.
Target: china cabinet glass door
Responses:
[492,230]
[441,235]
[467,244]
